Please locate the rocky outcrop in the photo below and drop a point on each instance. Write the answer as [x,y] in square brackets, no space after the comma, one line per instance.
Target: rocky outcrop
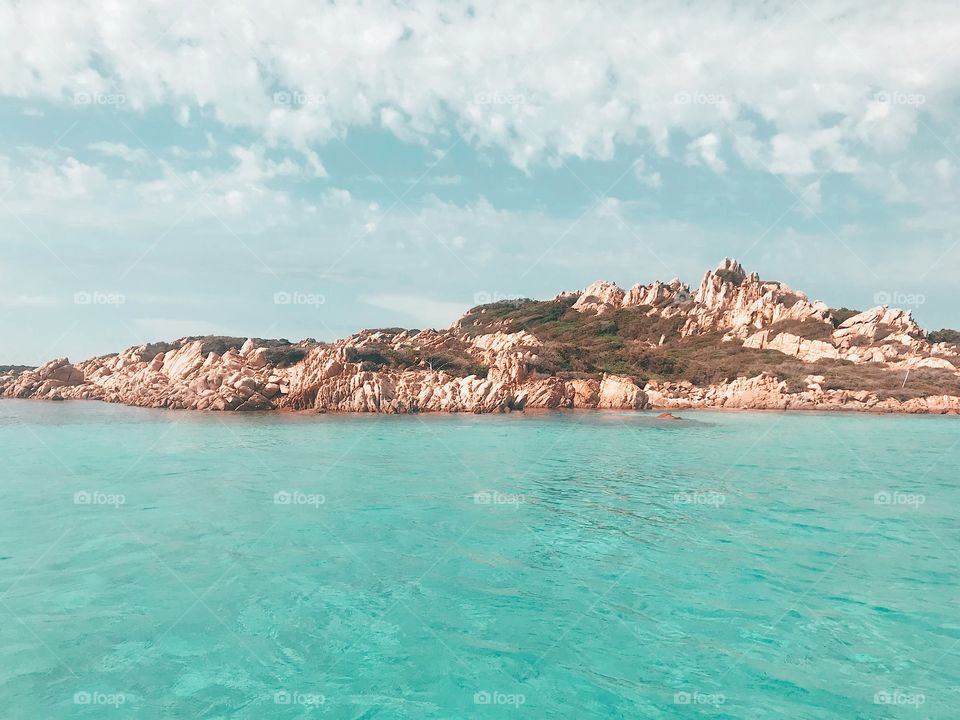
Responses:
[884,335]
[879,335]
[328,380]
[882,320]
[181,377]
[668,416]
[190,377]
[729,300]
[508,355]
[494,360]
[788,344]
[49,381]
[747,309]
[670,298]
[765,392]
[601,297]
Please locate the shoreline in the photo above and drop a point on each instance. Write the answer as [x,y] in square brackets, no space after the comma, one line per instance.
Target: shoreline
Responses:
[737,343]
[535,411]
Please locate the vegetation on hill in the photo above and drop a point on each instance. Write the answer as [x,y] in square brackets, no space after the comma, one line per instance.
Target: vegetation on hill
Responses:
[280,352]
[628,342]
[375,356]
[841,315]
[809,329]
[945,335]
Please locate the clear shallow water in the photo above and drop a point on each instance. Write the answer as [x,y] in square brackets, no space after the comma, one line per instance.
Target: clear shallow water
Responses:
[542,566]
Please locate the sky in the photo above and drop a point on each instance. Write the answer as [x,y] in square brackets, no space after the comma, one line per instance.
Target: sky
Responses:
[294,169]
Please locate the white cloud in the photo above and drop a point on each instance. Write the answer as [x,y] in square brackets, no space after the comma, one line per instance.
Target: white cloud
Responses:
[796,89]
[70,194]
[576,81]
[63,180]
[121,151]
[704,150]
[648,177]
[791,156]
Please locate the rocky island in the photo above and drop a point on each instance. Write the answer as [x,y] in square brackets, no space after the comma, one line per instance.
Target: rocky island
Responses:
[736,341]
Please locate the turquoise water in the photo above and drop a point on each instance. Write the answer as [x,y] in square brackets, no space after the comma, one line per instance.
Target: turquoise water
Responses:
[581,565]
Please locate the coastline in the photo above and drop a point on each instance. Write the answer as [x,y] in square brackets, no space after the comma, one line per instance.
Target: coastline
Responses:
[738,342]
[651,411]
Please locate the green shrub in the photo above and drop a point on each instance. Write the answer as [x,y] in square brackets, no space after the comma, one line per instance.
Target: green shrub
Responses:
[841,315]
[944,335]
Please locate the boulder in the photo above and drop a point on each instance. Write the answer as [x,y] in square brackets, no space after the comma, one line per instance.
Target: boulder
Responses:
[617,392]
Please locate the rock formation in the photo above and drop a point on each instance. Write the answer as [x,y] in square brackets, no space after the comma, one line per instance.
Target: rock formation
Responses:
[602,347]
[728,299]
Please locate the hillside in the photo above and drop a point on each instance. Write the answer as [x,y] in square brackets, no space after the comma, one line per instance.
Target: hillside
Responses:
[734,341]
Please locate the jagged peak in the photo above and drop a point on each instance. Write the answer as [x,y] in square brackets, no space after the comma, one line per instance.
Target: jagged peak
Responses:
[600,286]
[600,296]
[606,293]
[730,271]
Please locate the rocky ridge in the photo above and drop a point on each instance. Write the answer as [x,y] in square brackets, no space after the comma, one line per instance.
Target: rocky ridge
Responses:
[651,346]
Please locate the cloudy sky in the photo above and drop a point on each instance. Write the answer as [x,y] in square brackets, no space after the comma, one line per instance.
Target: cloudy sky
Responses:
[303,169]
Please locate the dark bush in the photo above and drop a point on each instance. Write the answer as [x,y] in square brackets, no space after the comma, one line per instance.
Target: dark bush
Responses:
[378,356]
[841,315]
[944,335]
[285,356]
[809,329]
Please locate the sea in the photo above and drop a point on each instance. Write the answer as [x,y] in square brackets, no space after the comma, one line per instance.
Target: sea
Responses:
[582,564]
